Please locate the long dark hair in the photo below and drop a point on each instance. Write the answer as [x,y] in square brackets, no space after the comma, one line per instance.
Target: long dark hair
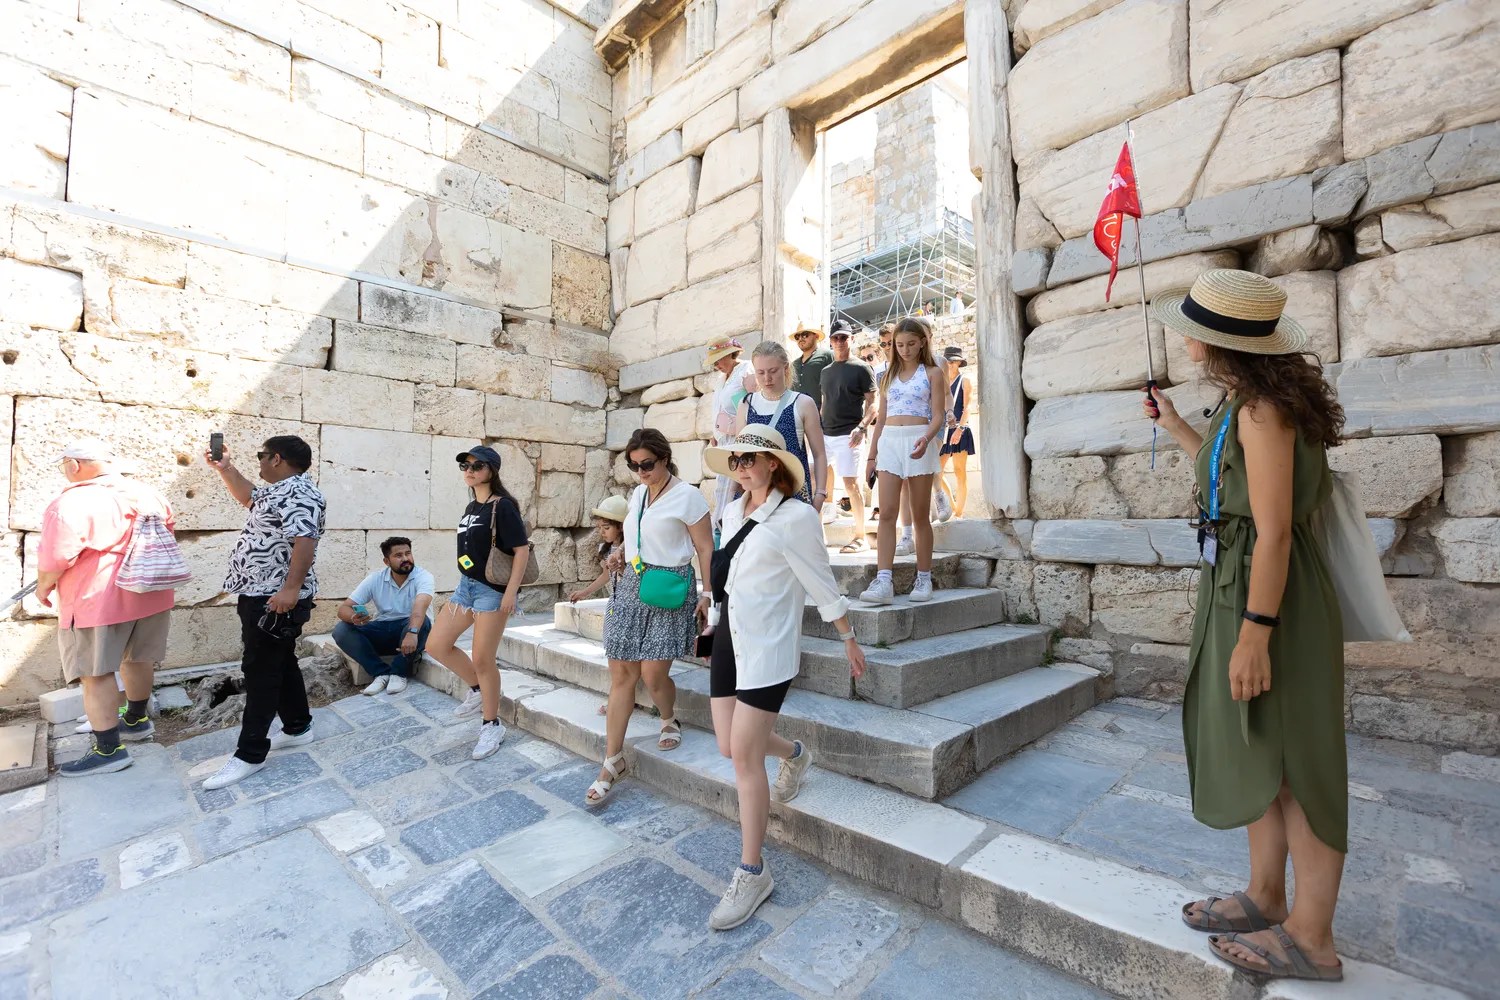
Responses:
[652,440]
[497,488]
[1289,382]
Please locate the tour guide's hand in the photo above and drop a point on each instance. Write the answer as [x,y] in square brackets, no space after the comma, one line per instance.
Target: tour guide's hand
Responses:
[508,604]
[1249,669]
[856,658]
[921,447]
[409,644]
[282,601]
[702,611]
[1167,410]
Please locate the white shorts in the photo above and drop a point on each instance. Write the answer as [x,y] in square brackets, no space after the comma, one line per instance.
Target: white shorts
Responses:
[894,455]
[848,461]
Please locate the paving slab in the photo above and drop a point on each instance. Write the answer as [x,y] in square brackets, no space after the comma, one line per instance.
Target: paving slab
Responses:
[716,850]
[474,824]
[553,851]
[380,765]
[283,772]
[383,865]
[42,894]
[825,948]
[947,961]
[152,858]
[549,976]
[394,977]
[1039,792]
[746,984]
[89,813]
[241,899]
[253,822]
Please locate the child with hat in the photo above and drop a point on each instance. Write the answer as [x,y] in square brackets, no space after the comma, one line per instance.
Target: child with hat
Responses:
[609,525]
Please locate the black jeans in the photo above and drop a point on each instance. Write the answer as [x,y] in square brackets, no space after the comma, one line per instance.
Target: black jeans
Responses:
[273,680]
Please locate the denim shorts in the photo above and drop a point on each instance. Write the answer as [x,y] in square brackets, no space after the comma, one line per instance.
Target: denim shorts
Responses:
[477,597]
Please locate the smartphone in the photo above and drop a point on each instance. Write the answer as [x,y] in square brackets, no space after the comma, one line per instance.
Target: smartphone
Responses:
[216,446]
[872,479]
[705,646]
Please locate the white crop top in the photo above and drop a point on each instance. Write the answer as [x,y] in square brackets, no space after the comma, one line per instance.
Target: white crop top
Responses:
[912,398]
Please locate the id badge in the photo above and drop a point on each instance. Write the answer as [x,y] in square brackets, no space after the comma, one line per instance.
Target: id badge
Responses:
[466,562]
[1211,550]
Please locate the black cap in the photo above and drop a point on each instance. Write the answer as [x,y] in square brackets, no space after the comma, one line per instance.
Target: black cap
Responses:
[955,354]
[483,453]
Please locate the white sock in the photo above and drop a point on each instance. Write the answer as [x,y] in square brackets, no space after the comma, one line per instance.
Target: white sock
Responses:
[924,578]
[883,576]
[906,533]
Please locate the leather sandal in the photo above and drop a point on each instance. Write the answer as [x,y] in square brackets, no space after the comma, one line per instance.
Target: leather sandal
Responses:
[1206,919]
[1296,965]
[599,791]
[671,735]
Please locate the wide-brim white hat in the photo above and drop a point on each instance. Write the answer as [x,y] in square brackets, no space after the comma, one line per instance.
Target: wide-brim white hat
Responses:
[756,438]
[1235,310]
[612,508]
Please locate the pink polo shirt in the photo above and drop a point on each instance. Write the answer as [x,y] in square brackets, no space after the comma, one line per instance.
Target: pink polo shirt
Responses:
[85,534]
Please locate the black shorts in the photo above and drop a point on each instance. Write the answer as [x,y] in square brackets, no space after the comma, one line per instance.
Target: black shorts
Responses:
[722,674]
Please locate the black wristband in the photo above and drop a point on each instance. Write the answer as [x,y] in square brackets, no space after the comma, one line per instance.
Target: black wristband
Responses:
[1270,621]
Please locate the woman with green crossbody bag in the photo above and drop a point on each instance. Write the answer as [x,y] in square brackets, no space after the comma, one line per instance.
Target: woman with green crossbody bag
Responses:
[656,612]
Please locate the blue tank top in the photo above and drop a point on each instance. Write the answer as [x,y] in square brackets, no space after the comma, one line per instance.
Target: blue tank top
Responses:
[786,424]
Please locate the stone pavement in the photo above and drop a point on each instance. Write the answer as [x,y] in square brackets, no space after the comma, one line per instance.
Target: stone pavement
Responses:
[380,862]
[1421,888]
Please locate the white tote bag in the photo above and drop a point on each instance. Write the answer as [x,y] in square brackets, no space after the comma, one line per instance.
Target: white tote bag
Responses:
[1354,565]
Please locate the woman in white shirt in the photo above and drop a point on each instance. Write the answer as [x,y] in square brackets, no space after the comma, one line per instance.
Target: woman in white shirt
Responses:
[724,356]
[792,414]
[665,525]
[771,561]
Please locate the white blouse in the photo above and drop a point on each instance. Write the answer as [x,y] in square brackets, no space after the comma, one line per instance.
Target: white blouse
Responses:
[780,564]
[664,538]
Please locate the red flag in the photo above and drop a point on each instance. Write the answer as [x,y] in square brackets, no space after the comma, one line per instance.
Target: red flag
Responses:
[1120,200]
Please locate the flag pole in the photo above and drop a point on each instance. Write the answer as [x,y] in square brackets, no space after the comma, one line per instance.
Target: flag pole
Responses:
[1140,267]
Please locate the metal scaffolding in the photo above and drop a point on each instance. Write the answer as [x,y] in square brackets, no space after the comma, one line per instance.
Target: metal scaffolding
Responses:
[907,271]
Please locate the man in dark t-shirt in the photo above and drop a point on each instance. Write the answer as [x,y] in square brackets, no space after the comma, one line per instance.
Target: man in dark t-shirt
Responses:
[848,387]
[807,367]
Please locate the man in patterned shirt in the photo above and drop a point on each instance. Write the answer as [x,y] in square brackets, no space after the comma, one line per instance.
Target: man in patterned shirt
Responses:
[271,569]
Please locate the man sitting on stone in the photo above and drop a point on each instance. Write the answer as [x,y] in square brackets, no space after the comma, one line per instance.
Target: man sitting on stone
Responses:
[387,614]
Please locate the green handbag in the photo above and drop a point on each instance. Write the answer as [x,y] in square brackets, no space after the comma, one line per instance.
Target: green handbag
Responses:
[659,588]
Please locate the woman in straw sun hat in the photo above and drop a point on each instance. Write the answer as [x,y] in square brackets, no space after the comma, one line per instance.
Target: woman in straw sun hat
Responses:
[726,356]
[1263,711]
[771,562]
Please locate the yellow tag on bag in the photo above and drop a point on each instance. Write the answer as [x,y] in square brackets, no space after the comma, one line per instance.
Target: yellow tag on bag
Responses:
[466,562]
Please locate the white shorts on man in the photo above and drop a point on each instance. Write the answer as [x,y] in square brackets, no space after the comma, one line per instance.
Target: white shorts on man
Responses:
[848,460]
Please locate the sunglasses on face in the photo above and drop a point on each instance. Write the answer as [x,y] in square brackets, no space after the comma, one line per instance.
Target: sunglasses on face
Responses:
[263,455]
[648,465]
[885,345]
[470,466]
[804,334]
[737,462]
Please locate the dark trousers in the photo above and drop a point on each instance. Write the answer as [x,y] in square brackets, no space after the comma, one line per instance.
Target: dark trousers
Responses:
[367,643]
[273,680]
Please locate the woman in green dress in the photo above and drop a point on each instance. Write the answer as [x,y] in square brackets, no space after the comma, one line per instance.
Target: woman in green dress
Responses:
[1263,711]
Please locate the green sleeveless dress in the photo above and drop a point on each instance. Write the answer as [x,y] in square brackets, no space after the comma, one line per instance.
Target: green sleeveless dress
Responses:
[1238,752]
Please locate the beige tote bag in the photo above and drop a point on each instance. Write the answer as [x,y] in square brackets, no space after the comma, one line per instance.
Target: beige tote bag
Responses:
[1354,565]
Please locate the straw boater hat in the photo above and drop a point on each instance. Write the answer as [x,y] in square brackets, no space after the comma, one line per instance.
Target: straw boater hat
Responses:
[756,437]
[720,348]
[612,509]
[813,328]
[1235,310]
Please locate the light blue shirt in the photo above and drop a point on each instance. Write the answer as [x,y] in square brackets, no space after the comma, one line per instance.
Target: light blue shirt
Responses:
[393,602]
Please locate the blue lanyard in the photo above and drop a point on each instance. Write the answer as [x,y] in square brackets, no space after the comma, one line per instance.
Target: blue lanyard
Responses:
[1218,464]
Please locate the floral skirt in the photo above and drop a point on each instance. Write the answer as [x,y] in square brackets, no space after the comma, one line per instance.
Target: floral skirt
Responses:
[635,631]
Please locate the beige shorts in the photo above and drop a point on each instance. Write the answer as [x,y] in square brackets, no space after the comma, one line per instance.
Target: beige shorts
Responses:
[98,651]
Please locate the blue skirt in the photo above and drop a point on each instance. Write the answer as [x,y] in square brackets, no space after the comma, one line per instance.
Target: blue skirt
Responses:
[965,443]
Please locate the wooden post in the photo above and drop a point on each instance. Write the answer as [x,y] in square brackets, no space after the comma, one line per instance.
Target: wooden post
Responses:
[997,312]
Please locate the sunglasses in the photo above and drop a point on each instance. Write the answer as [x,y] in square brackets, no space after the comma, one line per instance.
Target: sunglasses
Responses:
[737,462]
[470,466]
[804,333]
[885,345]
[263,455]
[647,466]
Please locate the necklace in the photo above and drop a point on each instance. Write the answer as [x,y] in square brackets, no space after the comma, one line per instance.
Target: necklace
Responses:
[651,498]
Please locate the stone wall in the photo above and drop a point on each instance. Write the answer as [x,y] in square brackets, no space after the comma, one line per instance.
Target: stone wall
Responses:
[364,223]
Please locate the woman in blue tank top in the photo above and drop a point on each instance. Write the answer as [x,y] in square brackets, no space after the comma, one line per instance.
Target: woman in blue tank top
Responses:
[793,414]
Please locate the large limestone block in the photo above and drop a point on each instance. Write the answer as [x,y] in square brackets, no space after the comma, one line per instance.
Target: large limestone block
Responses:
[1470,547]
[1471,467]
[572,385]
[633,339]
[562,458]
[334,397]
[665,392]
[1443,219]
[207,556]
[486,369]
[557,558]
[725,235]
[32,665]
[1306,248]
[1119,82]
[525,420]
[1395,90]
[63,239]
[1033,229]
[38,111]
[430,315]
[1091,353]
[1397,475]
[36,296]
[658,264]
[555,220]
[719,307]
[38,364]
[569,345]
[501,159]
[580,287]
[1311,299]
[1234,39]
[619,266]
[676,419]
[620,424]
[203,635]
[374,479]
[667,197]
[731,162]
[1154,604]
[1108,423]
[373,350]
[1421,300]
[1151,488]
[230,274]
[1061,595]
[559,500]
[1088,296]
[688,455]
[620,225]
[141,310]
[1037,19]
[710,123]
[439,409]
[596,484]
[7,433]
[1443,392]
[708,415]
[52,36]
[1073,488]
[1130,542]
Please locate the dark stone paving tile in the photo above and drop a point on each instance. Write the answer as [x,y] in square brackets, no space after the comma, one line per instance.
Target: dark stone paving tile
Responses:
[569,781]
[1437,945]
[825,948]
[283,772]
[475,926]
[380,766]
[1161,777]
[1118,707]
[716,850]
[1036,791]
[632,808]
[48,892]
[747,984]
[434,704]
[411,796]
[261,820]
[142,799]
[684,954]
[211,801]
[199,748]
[475,824]
[363,711]
[20,860]
[328,724]
[1160,838]
[363,741]
[505,767]
[947,961]
[1411,831]
[556,977]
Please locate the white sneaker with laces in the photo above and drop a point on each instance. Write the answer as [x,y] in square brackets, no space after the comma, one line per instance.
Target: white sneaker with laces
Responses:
[280,740]
[233,770]
[905,545]
[789,777]
[396,686]
[84,727]
[942,506]
[879,592]
[470,706]
[743,897]
[489,740]
[377,685]
[921,590]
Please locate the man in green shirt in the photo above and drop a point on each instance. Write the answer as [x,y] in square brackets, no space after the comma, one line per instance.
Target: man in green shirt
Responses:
[807,370]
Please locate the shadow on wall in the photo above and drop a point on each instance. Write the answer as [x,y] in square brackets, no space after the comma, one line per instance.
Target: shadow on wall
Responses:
[384,236]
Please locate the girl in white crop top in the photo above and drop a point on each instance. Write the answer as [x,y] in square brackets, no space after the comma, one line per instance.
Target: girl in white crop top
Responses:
[904,453]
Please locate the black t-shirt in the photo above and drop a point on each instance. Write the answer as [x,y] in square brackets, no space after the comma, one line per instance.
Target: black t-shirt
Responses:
[807,375]
[845,384]
[474,534]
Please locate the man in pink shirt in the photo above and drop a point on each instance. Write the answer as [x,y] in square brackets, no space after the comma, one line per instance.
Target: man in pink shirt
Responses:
[86,532]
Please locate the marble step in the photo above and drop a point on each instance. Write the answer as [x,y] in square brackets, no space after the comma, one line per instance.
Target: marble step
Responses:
[856,571]
[1091,917]
[948,612]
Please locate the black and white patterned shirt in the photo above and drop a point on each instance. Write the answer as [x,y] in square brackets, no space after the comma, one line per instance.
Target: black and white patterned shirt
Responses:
[280,512]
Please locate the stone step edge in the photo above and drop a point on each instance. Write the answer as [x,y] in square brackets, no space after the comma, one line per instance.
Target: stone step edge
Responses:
[1110,925]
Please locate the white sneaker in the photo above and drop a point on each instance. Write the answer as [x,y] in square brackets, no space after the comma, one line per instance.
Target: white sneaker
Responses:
[942,506]
[233,770]
[470,706]
[489,740]
[396,686]
[281,741]
[377,685]
[84,727]
[789,777]
[879,592]
[743,897]
[921,590]
[830,512]
[905,545]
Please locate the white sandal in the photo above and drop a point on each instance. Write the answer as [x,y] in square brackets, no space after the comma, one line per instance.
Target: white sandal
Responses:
[670,737]
[599,791]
